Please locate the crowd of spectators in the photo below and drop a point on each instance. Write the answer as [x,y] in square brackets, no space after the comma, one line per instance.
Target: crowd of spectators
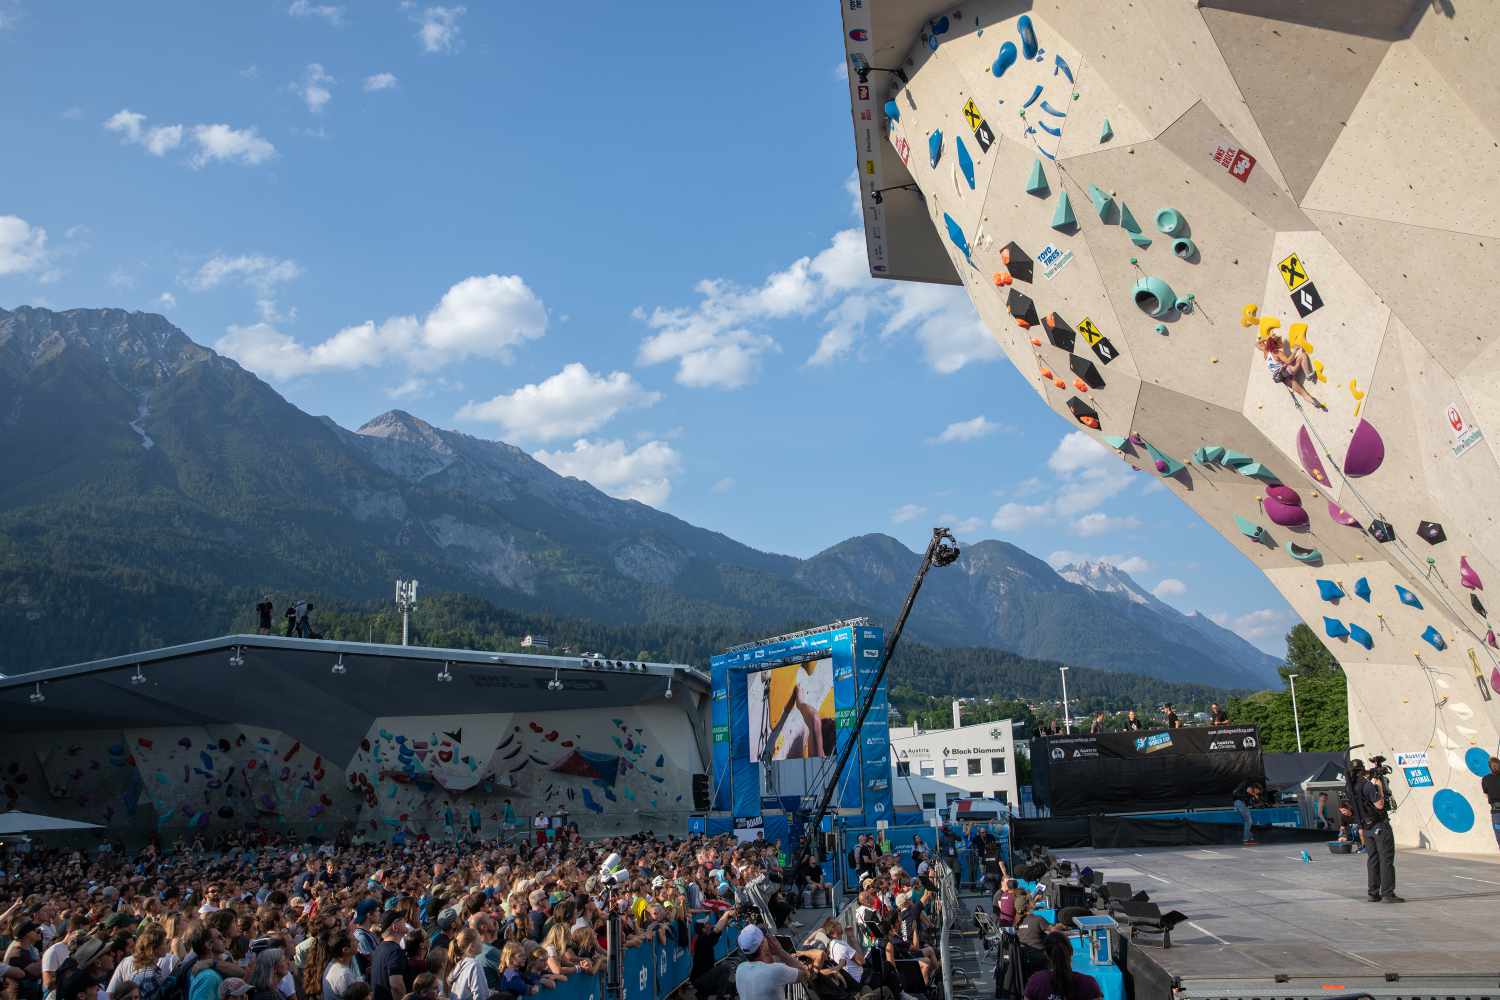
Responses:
[271,918]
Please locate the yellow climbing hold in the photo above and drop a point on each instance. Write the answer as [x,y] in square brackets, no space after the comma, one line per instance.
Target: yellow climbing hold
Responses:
[1247,315]
[1267,324]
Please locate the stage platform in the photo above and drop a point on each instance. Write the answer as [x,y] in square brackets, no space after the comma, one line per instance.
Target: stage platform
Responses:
[1259,913]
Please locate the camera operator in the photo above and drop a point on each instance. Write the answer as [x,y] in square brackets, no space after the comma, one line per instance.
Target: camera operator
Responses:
[1490,785]
[1372,804]
[767,968]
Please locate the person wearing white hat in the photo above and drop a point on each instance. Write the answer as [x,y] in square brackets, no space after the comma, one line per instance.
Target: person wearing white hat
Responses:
[767,969]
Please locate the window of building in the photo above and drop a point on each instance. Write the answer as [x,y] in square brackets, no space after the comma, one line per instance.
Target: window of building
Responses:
[951,797]
[974,764]
[929,800]
[925,769]
[903,769]
[997,765]
[950,767]
[1002,796]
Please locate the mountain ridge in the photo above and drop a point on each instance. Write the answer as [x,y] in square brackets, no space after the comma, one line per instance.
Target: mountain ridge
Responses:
[153,477]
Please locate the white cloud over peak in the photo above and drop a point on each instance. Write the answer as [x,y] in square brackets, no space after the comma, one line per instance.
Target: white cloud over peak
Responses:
[963,527]
[570,404]
[332,13]
[966,430]
[381,81]
[314,88]
[215,143]
[438,29]
[1097,523]
[479,317]
[907,512]
[1265,628]
[256,270]
[1085,475]
[644,474]
[167,300]
[1170,587]
[23,247]
[722,486]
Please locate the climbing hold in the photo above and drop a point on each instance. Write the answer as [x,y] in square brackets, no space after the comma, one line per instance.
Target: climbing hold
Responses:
[1161,328]
[1102,202]
[1255,470]
[1105,132]
[893,111]
[1301,554]
[1169,223]
[1360,636]
[1083,412]
[1058,332]
[1053,111]
[1005,59]
[956,234]
[1089,422]
[1028,36]
[1489,637]
[1408,598]
[1248,315]
[1308,455]
[1285,514]
[1153,296]
[1165,464]
[1047,373]
[1184,248]
[1285,494]
[1062,216]
[1362,589]
[1213,453]
[1080,385]
[1249,529]
[1434,639]
[1036,341]
[1059,383]
[965,161]
[1366,450]
[1235,459]
[1184,305]
[1466,575]
[1431,532]
[1334,628]
[1329,591]
[939,25]
[1036,181]
[1002,278]
[1133,262]
[1055,132]
[1478,606]
[1016,261]
[1381,531]
[1061,64]
[1032,99]
[1127,220]
[1115,441]
[1085,370]
[935,146]
[1341,516]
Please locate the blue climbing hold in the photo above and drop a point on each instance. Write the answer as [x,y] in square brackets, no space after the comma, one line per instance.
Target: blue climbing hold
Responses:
[956,234]
[893,111]
[940,26]
[1453,810]
[1053,111]
[1028,36]
[1036,181]
[965,161]
[1103,203]
[1034,95]
[1062,216]
[1329,591]
[1061,64]
[1362,589]
[1005,60]
[1360,636]
[1249,528]
[933,43]
[1434,639]
[1334,628]
[1049,129]
[1301,554]
[1408,598]
[935,146]
[1477,760]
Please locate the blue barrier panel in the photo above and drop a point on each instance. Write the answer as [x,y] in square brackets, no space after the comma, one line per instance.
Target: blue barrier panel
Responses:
[729,940]
[635,973]
[672,964]
[1111,980]
[579,986]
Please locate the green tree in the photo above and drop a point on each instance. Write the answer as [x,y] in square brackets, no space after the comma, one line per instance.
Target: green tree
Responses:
[1322,700]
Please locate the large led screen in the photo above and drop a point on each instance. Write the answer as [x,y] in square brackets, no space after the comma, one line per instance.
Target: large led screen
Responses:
[791,711]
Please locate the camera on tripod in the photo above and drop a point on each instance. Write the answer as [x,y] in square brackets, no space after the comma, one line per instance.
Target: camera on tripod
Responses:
[1378,767]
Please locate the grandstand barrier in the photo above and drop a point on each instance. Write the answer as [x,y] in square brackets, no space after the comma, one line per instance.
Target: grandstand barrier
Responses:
[650,971]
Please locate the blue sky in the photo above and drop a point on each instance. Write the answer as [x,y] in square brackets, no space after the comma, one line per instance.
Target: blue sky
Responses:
[625,240]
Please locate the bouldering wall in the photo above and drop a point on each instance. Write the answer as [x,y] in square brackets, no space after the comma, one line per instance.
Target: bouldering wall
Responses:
[448,776]
[1138,196]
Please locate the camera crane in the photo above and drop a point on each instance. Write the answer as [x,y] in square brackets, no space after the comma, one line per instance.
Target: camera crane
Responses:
[941,551]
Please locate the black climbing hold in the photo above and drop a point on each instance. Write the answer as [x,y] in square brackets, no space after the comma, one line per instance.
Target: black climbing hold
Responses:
[1431,532]
[1019,266]
[1381,531]
[1059,332]
[1021,307]
[1083,412]
[1085,369]
[1478,605]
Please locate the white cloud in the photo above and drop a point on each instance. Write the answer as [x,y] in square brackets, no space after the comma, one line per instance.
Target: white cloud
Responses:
[380,81]
[1265,628]
[314,88]
[570,404]
[1170,587]
[856,195]
[963,527]
[332,13]
[479,317]
[907,512]
[966,430]
[944,322]
[439,30]
[259,272]
[644,474]
[250,72]
[224,143]
[841,71]
[1095,524]
[722,486]
[167,300]
[23,247]
[10,14]
[1015,516]
[417,387]
[130,125]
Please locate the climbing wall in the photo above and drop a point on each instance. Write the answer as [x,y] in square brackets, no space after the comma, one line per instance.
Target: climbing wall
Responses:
[1135,195]
[436,776]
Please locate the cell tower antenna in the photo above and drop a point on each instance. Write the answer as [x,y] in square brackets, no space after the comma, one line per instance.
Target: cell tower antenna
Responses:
[406,599]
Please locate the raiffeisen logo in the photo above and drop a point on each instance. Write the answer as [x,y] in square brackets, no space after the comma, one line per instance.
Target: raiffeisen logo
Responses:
[1154,742]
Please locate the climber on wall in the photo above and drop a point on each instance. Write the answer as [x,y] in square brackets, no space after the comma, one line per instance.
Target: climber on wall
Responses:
[1288,367]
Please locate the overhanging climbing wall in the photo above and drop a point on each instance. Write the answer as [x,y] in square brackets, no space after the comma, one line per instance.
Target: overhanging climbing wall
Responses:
[1134,194]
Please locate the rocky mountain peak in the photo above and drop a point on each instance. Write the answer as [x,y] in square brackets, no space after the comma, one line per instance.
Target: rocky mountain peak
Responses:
[1107,578]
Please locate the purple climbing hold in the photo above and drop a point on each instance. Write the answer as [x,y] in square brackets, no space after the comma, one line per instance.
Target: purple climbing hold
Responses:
[1284,494]
[1467,576]
[1161,466]
[1308,455]
[1137,440]
[1285,514]
[1342,516]
[1366,451]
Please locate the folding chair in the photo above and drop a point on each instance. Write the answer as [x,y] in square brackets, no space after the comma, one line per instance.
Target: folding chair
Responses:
[1146,918]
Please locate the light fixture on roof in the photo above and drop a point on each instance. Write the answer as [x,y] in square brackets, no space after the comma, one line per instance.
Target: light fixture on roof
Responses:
[445,676]
[36,697]
[555,684]
[137,678]
[339,669]
[237,657]
[668,695]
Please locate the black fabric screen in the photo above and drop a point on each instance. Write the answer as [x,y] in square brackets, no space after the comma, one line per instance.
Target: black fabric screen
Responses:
[1131,772]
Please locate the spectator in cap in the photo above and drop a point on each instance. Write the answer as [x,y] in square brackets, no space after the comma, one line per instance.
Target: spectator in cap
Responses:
[767,968]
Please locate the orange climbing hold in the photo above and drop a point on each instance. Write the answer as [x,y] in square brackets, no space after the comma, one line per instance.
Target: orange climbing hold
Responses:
[1047,373]
[1024,324]
[1059,383]
[1089,421]
[1080,385]
[1036,341]
[1005,255]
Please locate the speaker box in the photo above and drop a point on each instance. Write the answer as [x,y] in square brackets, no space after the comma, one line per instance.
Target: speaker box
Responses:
[700,792]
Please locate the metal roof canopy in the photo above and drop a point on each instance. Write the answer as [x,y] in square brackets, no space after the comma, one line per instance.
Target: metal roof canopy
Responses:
[900,239]
[290,685]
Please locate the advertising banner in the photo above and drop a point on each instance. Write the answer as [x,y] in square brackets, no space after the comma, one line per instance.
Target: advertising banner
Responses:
[719,720]
[875,736]
[1140,771]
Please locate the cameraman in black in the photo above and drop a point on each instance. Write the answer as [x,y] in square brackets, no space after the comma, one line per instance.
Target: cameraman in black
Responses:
[1371,801]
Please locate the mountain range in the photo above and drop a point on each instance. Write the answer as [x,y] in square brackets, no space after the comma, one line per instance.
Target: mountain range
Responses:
[152,487]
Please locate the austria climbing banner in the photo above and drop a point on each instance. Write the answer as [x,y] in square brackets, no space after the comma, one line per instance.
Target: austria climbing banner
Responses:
[1156,769]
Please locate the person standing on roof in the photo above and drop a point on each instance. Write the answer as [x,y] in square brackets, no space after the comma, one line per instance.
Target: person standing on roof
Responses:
[304,629]
[263,616]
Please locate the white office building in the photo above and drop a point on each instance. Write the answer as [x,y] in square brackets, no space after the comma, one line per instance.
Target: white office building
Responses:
[933,768]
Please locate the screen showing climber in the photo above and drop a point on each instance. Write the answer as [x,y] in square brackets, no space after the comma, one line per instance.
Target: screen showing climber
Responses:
[791,711]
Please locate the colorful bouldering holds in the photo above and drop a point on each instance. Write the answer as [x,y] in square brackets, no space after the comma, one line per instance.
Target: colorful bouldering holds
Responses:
[1434,638]
[1301,554]
[1431,532]
[1036,181]
[956,234]
[1028,36]
[1362,589]
[1466,575]
[1062,216]
[1361,636]
[1366,450]
[1005,59]
[1249,529]
[965,161]
[935,146]
[1334,628]
[1408,598]
[1329,591]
